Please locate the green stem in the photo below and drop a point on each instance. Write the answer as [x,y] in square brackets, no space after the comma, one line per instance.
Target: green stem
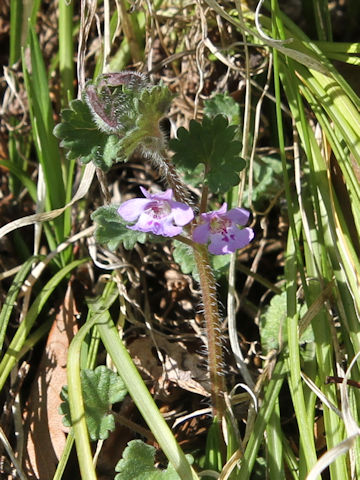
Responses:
[66,50]
[256,438]
[76,402]
[141,396]
[213,330]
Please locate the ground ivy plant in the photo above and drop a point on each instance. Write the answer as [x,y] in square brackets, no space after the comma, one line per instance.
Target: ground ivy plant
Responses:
[119,114]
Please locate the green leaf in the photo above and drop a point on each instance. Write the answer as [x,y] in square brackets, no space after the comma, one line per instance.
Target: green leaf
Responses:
[114,119]
[192,177]
[138,464]
[112,230]
[184,257]
[101,388]
[267,180]
[210,143]
[220,264]
[80,135]
[152,105]
[223,104]
[273,324]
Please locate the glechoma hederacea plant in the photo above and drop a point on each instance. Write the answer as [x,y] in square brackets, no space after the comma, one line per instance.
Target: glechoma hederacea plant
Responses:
[119,114]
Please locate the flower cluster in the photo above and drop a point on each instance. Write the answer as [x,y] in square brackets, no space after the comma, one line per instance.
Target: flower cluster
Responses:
[161,215]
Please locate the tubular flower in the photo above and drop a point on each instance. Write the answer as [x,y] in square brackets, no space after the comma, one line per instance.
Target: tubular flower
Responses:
[221,229]
[157,213]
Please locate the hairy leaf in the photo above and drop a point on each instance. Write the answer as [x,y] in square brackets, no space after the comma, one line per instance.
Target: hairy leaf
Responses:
[80,135]
[138,464]
[119,113]
[112,230]
[146,134]
[154,102]
[210,143]
[272,323]
[101,388]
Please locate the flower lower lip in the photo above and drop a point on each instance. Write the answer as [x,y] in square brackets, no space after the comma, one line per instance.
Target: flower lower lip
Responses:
[157,213]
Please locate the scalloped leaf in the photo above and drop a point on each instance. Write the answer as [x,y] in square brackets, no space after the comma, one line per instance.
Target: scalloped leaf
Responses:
[119,113]
[101,388]
[151,107]
[273,324]
[138,464]
[154,102]
[112,230]
[223,104]
[80,135]
[212,144]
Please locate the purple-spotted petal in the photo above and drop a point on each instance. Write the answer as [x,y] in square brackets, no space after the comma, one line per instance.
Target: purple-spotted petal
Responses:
[131,209]
[164,226]
[182,213]
[206,217]
[238,215]
[168,229]
[150,225]
[217,245]
[222,244]
[201,233]
[220,228]
[144,224]
[238,238]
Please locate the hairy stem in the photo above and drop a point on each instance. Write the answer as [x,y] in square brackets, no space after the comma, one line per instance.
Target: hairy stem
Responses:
[168,170]
[213,330]
[208,290]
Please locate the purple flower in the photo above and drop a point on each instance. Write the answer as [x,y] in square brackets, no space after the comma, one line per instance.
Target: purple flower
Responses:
[157,213]
[220,228]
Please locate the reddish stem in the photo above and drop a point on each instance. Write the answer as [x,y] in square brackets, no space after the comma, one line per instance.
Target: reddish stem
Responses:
[213,330]
[208,289]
